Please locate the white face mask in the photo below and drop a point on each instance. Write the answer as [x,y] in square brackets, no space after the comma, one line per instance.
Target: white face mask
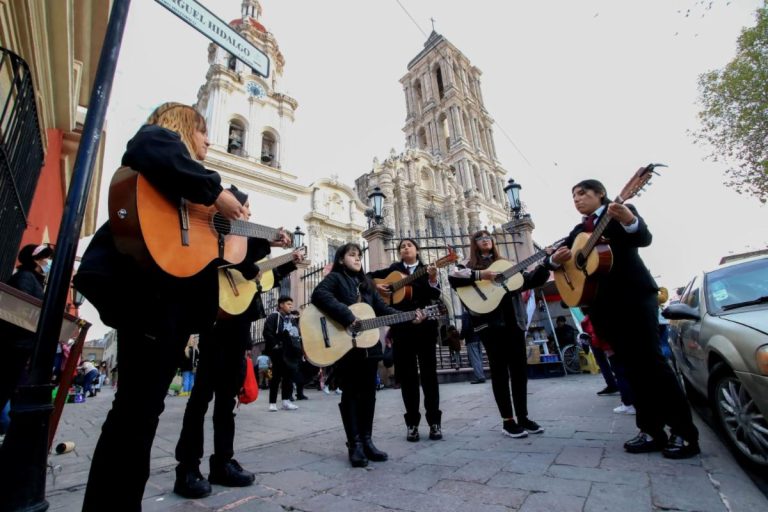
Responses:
[45,266]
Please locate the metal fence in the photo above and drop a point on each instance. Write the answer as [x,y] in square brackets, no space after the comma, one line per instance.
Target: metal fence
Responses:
[269,301]
[21,154]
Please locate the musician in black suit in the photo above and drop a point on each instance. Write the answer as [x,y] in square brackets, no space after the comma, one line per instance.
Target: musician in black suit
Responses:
[624,314]
[413,346]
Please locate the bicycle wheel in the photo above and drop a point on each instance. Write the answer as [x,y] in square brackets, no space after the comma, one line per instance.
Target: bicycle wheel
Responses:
[571,359]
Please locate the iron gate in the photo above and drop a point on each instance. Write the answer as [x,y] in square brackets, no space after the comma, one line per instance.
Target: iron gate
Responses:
[21,154]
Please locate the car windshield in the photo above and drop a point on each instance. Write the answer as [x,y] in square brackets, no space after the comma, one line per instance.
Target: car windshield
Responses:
[736,285]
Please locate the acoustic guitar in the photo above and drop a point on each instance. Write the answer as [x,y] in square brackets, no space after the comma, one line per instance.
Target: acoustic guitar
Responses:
[484,296]
[400,284]
[236,292]
[182,239]
[576,279]
[326,341]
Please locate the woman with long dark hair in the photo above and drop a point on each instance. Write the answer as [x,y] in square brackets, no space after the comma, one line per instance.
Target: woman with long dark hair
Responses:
[502,332]
[414,345]
[347,284]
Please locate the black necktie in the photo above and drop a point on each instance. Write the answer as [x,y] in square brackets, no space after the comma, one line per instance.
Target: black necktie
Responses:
[589,223]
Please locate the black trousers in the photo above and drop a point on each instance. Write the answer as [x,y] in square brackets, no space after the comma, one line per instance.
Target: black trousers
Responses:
[508,360]
[282,378]
[355,374]
[147,366]
[220,372]
[413,351]
[632,330]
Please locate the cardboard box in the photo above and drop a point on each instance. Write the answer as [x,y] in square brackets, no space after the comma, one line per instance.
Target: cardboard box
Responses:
[534,354]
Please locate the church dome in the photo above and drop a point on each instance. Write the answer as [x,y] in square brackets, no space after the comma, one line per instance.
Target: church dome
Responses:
[255,24]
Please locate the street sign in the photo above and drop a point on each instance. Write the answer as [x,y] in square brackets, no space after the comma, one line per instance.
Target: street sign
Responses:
[212,27]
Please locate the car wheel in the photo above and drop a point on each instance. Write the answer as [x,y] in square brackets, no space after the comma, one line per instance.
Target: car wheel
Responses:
[737,414]
[571,359]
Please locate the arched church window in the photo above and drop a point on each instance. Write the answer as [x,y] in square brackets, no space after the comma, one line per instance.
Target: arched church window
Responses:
[236,138]
[439,80]
[422,138]
[445,131]
[419,95]
[268,148]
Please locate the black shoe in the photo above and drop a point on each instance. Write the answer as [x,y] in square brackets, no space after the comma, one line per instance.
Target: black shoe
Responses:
[230,474]
[608,390]
[644,443]
[531,426]
[679,448]
[477,381]
[357,453]
[190,482]
[413,434]
[510,428]
[372,452]
[435,432]
[302,397]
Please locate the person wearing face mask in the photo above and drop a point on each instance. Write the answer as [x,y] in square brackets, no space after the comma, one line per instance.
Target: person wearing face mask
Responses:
[30,275]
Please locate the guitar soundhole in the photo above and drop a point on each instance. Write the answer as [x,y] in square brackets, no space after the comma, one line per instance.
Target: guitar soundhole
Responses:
[221,225]
[581,260]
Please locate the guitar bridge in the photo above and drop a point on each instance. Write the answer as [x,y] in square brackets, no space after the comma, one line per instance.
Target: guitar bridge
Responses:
[324,328]
[479,291]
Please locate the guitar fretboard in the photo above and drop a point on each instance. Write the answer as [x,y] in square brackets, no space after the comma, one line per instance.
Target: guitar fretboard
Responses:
[529,261]
[420,272]
[381,321]
[251,230]
[275,262]
[594,238]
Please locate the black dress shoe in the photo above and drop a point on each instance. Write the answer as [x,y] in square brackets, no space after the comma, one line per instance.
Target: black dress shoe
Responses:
[679,448]
[190,483]
[644,443]
[477,381]
[301,397]
[229,474]
[608,390]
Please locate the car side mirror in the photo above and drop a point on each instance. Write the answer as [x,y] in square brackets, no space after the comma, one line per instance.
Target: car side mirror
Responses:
[680,312]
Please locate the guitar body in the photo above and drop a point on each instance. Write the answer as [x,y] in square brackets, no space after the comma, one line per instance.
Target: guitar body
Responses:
[406,292]
[235,292]
[485,296]
[326,341]
[576,280]
[147,226]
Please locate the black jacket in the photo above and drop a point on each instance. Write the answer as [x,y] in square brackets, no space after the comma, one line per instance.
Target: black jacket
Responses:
[511,310]
[423,293]
[149,299]
[628,280]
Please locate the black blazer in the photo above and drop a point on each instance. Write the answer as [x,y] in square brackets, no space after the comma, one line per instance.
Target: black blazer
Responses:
[423,292]
[629,279]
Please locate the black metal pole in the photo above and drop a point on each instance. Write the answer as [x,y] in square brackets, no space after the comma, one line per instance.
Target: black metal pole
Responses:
[24,454]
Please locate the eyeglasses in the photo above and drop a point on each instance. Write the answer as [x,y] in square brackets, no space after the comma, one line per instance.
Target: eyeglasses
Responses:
[482,238]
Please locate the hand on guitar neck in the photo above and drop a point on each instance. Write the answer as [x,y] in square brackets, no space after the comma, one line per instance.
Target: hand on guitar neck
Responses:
[283,239]
[420,317]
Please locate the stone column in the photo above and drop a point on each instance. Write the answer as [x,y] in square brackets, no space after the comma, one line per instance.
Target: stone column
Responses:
[377,238]
[522,233]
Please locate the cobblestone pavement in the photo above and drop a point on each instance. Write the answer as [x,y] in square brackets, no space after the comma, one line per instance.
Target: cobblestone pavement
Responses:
[577,464]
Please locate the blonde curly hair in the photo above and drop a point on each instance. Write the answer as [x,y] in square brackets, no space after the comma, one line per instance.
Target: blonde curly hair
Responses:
[182,119]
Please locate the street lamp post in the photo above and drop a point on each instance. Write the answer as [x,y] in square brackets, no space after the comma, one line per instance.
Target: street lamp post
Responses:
[513,195]
[375,212]
[298,238]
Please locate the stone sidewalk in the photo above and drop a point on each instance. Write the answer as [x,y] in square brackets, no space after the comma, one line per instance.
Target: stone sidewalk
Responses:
[299,457]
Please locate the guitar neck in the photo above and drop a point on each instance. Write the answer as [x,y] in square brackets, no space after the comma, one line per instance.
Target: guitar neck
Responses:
[417,274]
[381,321]
[273,263]
[524,264]
[594,238]
[251,230]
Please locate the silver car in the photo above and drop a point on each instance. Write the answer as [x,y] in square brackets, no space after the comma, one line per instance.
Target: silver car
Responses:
[719,338]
